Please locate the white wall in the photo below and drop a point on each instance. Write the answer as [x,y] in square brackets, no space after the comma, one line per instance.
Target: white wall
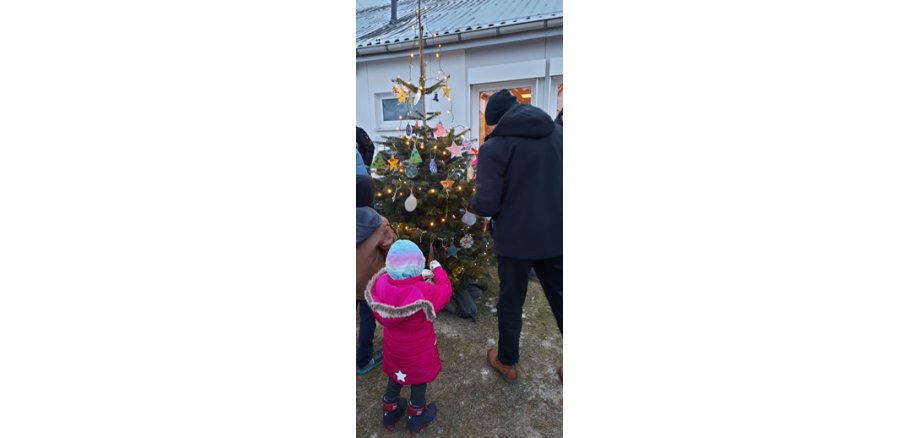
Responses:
[468,67]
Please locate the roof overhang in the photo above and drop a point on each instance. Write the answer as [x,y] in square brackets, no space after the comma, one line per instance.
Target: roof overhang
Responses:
[464,40]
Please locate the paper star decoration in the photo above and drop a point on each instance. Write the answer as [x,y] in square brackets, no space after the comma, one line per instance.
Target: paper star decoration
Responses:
[452,250]
[393,163]
[400,94]
[446,90]
[400,376]
[455,151]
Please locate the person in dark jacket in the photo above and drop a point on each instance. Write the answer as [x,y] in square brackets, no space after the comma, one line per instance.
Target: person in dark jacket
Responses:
[367,226]
[519,185]
[559,118]
[365,147]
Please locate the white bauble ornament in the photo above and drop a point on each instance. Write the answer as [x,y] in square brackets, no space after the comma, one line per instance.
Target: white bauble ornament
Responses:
[468,218]
[411,203]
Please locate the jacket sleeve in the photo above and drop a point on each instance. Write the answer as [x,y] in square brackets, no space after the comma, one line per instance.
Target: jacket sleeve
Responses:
[440,292]
[490,179]
[359,163]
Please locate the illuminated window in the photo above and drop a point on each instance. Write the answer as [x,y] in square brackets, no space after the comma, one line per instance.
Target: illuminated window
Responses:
[523,95]
[559,98]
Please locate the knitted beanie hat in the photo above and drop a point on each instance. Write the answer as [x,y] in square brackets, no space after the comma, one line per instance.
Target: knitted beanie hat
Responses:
[404,260]
[498,104]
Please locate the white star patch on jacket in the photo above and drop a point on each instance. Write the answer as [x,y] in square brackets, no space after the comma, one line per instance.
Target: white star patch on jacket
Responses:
[400,376]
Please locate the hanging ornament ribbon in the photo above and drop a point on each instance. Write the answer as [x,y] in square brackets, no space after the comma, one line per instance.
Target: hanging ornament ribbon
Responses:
[396,192]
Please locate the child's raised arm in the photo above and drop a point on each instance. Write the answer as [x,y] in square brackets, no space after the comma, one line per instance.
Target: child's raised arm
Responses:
[438,293]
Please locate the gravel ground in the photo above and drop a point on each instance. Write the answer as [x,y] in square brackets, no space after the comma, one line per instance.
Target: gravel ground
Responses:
[472,399]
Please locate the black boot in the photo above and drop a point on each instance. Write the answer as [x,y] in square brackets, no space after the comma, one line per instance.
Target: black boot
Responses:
[421,417]
[392,412]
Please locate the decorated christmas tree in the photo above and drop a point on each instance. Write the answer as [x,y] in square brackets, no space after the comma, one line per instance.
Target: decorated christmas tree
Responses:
[426,178]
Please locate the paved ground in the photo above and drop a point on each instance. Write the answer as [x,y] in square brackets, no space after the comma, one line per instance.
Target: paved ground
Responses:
[473,401]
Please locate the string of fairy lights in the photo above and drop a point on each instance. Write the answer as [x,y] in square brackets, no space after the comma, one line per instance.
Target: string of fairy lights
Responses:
[414,140]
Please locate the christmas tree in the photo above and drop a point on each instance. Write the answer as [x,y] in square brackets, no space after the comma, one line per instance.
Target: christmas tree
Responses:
[426,179]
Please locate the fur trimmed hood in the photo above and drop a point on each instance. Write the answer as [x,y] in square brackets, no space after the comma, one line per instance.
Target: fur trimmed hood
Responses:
[397,299]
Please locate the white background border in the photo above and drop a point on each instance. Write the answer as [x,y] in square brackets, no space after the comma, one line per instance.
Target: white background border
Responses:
[741,219]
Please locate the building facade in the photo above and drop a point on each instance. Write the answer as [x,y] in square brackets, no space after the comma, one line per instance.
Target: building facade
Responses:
[482,45]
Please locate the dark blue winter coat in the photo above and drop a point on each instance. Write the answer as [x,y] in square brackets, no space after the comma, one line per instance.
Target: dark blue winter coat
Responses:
[519,184]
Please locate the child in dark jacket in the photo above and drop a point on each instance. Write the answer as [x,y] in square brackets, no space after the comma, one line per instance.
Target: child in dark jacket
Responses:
[406,306]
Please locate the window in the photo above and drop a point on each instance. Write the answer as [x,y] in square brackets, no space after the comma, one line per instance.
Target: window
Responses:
[393,111]
[392,115]
[522,90]
[559,98]
[555,104]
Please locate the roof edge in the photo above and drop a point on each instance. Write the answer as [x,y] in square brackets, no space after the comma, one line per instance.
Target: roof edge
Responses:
[378,53]
[494,32]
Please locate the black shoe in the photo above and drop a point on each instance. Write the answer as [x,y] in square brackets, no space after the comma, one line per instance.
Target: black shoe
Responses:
[421,417]
[392,412]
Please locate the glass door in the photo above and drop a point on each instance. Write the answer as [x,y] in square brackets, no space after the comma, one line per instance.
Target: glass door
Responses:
[522,90]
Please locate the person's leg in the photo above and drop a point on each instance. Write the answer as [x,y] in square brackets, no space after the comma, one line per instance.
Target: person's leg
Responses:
[393,406]
[549,272]
[512,275]
[417,396]
[365,334]
[420,414]
[392,393]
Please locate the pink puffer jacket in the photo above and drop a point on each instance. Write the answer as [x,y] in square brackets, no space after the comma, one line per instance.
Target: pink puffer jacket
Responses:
[406,309]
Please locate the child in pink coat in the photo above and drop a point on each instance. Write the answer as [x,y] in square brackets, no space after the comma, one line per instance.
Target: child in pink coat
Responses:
[406,306]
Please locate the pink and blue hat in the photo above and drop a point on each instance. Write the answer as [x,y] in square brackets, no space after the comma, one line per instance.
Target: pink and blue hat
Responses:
[405,260]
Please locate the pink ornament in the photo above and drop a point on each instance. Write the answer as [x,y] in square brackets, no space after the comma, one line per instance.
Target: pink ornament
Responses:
[439,130]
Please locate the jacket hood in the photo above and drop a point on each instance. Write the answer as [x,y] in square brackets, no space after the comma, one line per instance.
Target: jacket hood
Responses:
[395,300]
[367,221]
[524,120]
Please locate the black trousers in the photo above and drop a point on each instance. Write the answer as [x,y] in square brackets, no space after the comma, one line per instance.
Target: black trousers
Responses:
[513,275]
[416,397]
[365,334]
